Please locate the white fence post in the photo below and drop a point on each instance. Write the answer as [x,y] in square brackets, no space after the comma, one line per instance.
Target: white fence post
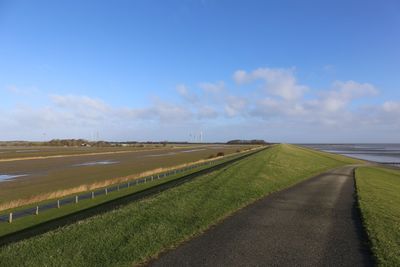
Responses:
[76,199]
[106,191]
[37,210]
[58,204]
[10,217]
[92,195]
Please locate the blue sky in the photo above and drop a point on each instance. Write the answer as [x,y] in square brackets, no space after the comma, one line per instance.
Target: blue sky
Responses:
[285,71]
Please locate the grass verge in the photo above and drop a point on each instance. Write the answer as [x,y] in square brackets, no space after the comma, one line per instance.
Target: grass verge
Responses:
[378,192]
[141,230]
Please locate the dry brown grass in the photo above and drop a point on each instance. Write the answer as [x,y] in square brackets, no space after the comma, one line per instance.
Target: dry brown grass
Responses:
[88,187]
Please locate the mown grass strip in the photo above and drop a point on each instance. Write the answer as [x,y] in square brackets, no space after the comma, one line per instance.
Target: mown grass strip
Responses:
[378,192]
[143,229]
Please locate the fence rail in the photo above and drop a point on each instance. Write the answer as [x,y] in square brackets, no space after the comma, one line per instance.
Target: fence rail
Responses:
[59,203]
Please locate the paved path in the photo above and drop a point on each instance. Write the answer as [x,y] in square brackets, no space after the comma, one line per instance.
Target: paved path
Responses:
[314,223]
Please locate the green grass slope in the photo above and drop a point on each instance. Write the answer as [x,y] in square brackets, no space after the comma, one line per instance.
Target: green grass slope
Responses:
[379,197]
[86,204]
[141,230]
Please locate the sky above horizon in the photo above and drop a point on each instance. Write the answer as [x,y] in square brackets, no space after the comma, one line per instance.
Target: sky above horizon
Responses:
[283,71]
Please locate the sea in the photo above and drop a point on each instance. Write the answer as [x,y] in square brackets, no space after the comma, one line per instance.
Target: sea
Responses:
[380,153]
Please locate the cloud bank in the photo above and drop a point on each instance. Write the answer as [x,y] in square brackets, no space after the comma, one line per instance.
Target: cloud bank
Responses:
[267,103]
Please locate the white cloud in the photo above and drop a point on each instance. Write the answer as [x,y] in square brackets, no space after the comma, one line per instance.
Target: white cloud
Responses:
[341,94]
[22,91]
[213,88]
[235,105]
[80,103]
[167,112]
[241,76]
[278,82]
[391,107]
[159,111]
[350,89]
[207,112]
[332,107]
[186,94]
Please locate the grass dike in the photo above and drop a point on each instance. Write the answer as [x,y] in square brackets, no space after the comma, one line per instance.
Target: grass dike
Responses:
[141,230]
[378,192]
[34,224]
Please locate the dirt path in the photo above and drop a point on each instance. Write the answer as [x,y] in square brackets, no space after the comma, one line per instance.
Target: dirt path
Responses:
[315,223]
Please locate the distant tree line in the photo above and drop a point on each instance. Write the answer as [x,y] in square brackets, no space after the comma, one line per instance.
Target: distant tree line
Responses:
[76,142]
[247,142]
[84,142]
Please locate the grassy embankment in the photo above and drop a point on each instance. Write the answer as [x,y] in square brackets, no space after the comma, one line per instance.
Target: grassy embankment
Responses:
[141,230]
[59,177]
[379,198]
[85,204]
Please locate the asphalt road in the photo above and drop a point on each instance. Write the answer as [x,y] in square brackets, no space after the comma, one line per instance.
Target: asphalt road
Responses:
[315,223]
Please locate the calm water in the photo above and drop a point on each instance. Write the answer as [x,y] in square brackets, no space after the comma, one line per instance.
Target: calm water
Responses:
[382,153]
[93,163]
[6,177]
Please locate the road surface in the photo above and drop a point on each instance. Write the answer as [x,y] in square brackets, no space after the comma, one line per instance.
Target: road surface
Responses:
[315,223]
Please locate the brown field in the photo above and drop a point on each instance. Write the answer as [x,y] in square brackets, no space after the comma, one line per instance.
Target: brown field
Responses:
[48,175]
[17,153]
